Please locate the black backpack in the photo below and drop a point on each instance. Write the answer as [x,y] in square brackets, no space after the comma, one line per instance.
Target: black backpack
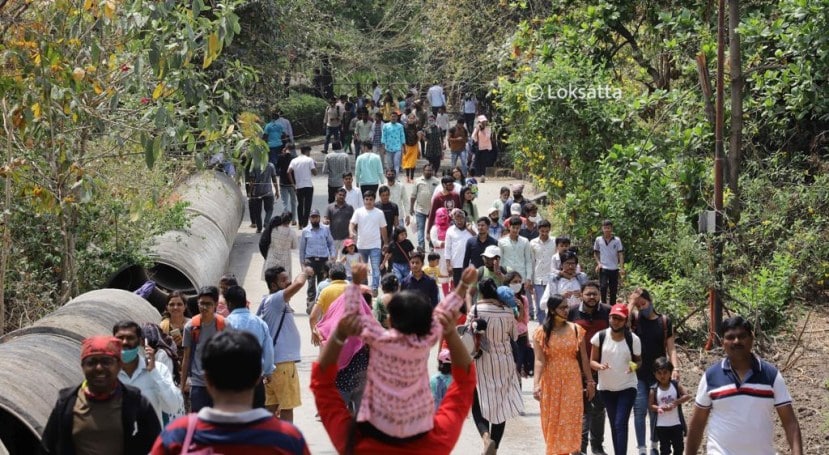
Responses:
[628,341]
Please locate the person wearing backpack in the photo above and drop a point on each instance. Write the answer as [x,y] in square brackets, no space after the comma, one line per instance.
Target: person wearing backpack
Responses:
[617,357]
[657,335]
[196,333]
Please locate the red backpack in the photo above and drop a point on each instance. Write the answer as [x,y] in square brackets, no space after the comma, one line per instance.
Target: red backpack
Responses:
[195,324]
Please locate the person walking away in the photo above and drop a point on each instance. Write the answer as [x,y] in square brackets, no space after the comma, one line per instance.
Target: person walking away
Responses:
[665,399]
[278,241]
[282,394]
[242,319]
[458,136]
[393,139]
[593,316]
[560,364]
[656,332]
[616,356]
[302,169]
[232,362]
[262,195]
[411,149]
[287,128]
[421,202]
[272,134]
[332,123]
[610,261]
[728,395]
[470,109]
[371,237]
[316,249]
[100,415]
[336,165]
[437,99]
[482,137]
[497,397]
[287,188]
[337,216]
[141,369]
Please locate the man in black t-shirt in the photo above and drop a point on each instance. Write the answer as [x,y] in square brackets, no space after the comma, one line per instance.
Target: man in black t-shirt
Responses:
[337,217]
[390,210]
[593,316]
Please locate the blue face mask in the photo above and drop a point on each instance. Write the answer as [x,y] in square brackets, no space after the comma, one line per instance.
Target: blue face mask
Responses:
[646,312]
[128,355]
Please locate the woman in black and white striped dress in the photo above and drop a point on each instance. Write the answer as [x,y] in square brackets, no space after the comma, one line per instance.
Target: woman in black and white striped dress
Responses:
[498,394]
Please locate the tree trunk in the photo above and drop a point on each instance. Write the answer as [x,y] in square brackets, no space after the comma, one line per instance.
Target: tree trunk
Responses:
[7,239]
[735,147]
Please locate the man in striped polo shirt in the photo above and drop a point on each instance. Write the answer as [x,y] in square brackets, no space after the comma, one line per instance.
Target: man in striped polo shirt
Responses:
[738,394]
[232,365]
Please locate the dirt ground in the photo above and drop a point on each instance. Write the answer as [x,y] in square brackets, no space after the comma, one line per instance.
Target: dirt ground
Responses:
[802,355]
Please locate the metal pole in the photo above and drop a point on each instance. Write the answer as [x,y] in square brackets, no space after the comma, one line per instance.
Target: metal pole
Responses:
[714,298]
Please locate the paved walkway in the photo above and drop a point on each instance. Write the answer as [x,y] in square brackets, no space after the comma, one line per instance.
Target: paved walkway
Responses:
[523,433]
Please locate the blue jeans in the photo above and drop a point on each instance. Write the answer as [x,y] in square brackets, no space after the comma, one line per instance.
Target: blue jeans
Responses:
[540,307]
[331,131]
[400,270]
[618,406]
[394,160]
[372,256]
[199,398]
[288,195]
[455,156]
[640,410]
[421,219]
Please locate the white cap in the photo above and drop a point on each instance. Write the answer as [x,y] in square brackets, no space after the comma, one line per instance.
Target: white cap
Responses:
[491,252]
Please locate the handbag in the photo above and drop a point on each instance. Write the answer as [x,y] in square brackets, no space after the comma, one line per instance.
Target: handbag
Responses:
[192,419]
[470,337]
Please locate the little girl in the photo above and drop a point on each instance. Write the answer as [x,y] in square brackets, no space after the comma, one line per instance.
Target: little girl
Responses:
[665,399]
[443,378]
[399,250]
[349,256]
[397,400]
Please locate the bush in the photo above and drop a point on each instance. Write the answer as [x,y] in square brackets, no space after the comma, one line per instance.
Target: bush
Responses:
[306,113]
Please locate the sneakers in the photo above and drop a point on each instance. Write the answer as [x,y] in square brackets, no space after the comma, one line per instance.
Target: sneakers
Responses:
[599,452]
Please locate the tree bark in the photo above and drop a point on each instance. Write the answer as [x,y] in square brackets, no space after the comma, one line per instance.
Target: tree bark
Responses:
[735,147]
[7,240]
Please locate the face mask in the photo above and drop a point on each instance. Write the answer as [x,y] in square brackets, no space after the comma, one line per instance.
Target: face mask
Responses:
[559,318]
[535,219]
[646,312]
[128,355]
[516,287]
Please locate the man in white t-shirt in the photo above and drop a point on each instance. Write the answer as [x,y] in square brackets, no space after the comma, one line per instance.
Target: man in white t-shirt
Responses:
[437,98]
[368,227]
[738,394]
[302,168]
[610,262]
[456,237]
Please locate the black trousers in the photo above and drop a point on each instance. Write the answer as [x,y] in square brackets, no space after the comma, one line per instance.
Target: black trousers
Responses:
[364,188]
[495,430]
[332,193]
[670,437]
[609,284]
[316,264]
[255,205]
[304,196]
[592,423]
[259,395]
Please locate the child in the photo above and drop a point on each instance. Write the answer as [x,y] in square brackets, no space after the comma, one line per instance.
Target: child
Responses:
[398,405]
[399,250]
[665,399]
[443,378]
[503,197]
[349,256]
[390,286]
[562,245]
[225,282]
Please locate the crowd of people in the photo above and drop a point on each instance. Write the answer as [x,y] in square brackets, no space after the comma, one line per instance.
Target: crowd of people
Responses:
[378,302]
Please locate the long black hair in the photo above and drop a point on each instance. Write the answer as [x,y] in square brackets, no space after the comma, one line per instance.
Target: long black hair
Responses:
[552,303]
[488,289]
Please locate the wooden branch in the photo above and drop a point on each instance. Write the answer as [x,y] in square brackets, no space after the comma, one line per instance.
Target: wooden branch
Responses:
[638,56]
[789,361]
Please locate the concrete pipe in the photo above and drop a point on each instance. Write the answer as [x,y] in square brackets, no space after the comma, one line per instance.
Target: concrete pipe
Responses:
[43,358]
[185,260]
[215,196]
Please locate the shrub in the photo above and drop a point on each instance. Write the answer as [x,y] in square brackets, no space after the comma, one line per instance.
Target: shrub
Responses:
[306,113]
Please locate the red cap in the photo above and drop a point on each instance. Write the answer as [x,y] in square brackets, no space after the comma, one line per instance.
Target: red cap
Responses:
[620,309]
[101,345]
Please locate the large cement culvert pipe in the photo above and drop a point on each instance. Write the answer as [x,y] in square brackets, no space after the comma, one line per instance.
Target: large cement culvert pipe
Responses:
[39,360]
[185,260]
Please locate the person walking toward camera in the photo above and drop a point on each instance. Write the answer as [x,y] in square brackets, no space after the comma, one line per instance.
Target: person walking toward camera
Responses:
[738,395]
[610,262]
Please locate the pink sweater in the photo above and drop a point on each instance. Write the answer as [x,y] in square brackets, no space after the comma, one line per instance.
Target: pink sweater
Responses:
[397,398]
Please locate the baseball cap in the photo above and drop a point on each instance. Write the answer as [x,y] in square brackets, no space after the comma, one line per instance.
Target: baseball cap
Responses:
[443,356]
[314,212]
[491,252]
[101,345]
[619,309]
[515,209]
[347,243]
